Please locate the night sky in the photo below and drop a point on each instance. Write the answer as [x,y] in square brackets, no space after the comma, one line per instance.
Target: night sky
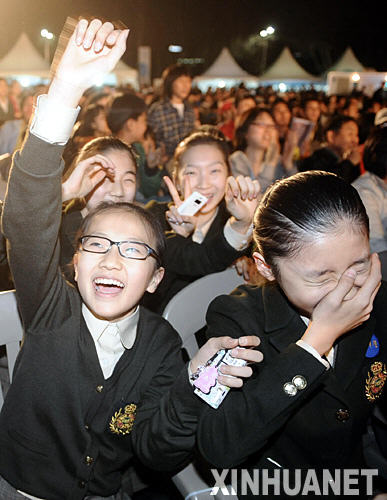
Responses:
[317,32]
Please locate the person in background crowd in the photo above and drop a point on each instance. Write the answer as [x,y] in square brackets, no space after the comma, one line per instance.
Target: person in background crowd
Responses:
[282,117]
[7,110]
[92,124]
[172,118]
[372,188]
[127,120]
[340,154]
[257,148]
[12,132]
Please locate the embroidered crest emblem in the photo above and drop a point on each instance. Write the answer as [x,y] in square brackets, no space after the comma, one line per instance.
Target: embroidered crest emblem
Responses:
[122,422]
[376,380]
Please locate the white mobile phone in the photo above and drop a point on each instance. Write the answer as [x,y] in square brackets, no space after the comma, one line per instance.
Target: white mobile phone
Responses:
[192,204]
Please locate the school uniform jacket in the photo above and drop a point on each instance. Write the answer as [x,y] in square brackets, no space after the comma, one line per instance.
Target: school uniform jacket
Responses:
[65,431]
[319,426]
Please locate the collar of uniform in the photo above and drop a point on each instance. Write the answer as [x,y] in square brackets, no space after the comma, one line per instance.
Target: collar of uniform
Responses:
[278,312]
[201,231]
[127,327]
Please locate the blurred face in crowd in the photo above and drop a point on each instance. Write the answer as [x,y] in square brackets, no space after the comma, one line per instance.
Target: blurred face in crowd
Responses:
[244,105]
[100,124]
[3,89]
[181,88]
[119,187]
[312,111]
[346,139]
[282,114]
[205,168]
[261,132]
[28,107]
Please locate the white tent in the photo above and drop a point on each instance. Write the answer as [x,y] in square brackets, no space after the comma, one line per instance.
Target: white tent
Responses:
[286,69]
[348,62]
[24,59]
[224,72]
[126,74]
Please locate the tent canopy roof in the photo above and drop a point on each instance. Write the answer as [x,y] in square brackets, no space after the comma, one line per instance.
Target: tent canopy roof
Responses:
[285,67]
[225,67]
[348,62]
[24,58]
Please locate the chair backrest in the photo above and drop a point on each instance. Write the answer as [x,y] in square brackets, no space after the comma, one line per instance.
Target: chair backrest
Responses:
[11,330]
[186,311]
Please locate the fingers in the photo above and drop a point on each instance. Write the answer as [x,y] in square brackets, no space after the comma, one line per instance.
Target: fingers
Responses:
[243,187]
[344,285]
[100,34]
[173,216]
[249,355]
[172,190]
[187,187]
[372,282]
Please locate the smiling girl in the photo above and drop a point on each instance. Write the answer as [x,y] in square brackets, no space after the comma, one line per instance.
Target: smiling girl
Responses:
[99,380]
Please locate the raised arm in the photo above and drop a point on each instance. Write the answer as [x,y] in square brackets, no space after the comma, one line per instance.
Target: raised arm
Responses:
[32,209]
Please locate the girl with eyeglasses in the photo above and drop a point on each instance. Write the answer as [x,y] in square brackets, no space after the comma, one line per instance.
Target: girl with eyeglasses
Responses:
[99,380]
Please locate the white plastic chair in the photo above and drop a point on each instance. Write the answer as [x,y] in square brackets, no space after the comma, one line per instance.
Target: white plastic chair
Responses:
[11,331]
[186,312]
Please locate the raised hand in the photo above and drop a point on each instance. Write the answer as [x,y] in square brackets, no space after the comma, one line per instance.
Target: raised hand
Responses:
[343,309]
[93,49]
[181,224]
[230,375]
[86,176]
[242,197]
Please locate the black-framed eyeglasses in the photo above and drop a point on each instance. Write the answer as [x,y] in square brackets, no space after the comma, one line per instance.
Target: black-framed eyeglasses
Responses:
[128,249]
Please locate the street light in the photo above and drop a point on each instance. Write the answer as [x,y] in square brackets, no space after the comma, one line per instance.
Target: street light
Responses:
[265,34]
[47,36]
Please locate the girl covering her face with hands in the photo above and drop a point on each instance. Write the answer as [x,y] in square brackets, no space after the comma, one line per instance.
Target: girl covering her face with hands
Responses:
[322,320]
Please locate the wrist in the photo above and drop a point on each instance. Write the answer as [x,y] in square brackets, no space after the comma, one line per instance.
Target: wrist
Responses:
[65,92]
[239,225]
[318,338]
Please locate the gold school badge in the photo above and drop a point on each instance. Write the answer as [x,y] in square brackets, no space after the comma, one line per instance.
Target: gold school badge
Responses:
[376,380]
[122,423]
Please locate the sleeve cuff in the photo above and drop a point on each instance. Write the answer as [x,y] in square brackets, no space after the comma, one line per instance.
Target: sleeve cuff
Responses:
[237,240]
[304,345]
[53,121]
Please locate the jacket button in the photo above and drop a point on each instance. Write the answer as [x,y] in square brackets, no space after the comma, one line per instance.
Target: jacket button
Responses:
[290,389]
[300,382]
[99,388]
[81,484]
[342,415]
[89,460]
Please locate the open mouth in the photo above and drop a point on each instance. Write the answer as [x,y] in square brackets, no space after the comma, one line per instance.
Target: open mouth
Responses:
[108,286]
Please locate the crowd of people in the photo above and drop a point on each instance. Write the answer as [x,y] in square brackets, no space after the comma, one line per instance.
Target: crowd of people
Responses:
[95,245]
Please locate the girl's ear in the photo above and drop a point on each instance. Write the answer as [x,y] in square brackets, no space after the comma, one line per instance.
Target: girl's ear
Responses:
[263,268]
[75,263]
[155,280]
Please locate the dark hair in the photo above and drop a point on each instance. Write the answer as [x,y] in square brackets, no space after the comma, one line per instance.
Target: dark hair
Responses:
[84,127]
[123,108]
[279,100]
[200,139]
[151,224]
[295,210]
[337,122]
[247,119]
[101,145]
[241,97]
[375,152]
[170,74]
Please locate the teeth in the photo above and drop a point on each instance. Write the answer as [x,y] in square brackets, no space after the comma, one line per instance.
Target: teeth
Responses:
[107,281]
